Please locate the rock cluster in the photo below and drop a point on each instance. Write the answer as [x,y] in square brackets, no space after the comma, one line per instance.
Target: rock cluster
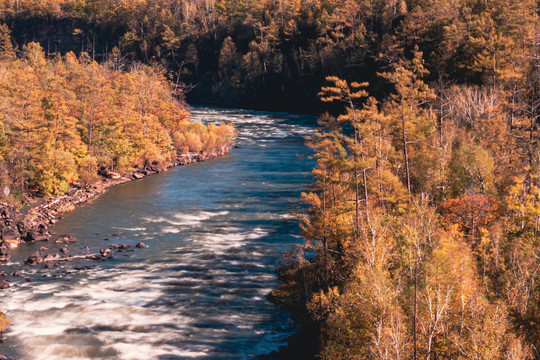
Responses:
[19,226]
[52,259]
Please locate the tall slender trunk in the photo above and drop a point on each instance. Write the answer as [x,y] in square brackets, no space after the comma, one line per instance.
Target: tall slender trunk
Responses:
[357,185]
[325,240]
[415,307]
[405,152]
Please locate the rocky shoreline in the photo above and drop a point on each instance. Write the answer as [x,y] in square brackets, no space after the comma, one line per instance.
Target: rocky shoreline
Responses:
[31,223]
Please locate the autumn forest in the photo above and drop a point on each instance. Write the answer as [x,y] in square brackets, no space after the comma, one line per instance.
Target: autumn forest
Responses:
[421,235]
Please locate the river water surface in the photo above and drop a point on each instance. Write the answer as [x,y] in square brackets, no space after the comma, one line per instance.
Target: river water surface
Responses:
[214,232]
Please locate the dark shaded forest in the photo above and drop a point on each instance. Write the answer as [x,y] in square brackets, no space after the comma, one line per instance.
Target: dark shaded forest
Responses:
[274,54]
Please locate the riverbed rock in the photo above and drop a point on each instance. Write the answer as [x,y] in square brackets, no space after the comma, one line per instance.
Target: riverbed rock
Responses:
[105,252]
[5,252]
[51,257]
[50,264]
[35,259]
[9,232]
[37,233]
[64,250]
[137,175]
[16,274]
[4,284]
[140,245]
[66,239]
[81,267]
[114,176]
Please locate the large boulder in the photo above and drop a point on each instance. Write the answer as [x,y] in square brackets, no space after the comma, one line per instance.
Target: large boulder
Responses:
[9,232]
[114,176]
[35,259]
[7,211]
[5,252]
[105,172]
[37,233]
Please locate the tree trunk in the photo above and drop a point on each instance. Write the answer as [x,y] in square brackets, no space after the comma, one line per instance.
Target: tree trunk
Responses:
[415,306]
[405,152]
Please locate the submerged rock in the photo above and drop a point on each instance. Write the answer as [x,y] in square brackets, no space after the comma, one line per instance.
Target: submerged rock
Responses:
[105,252]
[50,265]
[141,245]
[65,239]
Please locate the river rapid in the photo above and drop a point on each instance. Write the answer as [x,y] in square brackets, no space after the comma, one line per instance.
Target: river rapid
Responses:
[214,232]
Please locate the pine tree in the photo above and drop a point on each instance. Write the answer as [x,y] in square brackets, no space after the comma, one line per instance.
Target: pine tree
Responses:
[7,51]
[406,109]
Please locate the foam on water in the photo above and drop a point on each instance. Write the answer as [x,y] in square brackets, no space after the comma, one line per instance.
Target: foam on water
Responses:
[183,219]
[135,229]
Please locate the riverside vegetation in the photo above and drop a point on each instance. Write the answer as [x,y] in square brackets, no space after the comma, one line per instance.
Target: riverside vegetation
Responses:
[422,236]
[67,122]
[64,118]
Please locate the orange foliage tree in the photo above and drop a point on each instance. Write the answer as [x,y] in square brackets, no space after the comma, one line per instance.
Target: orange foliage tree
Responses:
[470,212]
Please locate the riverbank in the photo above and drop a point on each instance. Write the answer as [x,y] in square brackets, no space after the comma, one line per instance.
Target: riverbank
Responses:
[31,222]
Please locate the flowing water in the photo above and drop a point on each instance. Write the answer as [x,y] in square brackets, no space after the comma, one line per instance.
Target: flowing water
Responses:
[214,232]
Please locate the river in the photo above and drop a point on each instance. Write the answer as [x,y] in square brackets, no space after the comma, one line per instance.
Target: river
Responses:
[214,232]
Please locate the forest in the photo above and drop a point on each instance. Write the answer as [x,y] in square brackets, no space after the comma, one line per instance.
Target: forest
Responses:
[275,54]
[62,119]
[422,235]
